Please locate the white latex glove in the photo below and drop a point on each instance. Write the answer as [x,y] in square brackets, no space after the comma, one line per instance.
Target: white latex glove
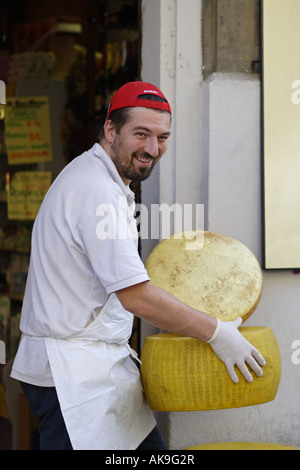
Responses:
[233,349]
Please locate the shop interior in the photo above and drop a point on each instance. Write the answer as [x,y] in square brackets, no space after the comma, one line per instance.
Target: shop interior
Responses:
[60,63]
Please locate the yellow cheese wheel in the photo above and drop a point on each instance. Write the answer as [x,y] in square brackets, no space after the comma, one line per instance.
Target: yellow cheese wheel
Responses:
[241,446]
[184,374]
[220,277]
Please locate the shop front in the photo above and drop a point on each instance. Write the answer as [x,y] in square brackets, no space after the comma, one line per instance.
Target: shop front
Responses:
[60,63]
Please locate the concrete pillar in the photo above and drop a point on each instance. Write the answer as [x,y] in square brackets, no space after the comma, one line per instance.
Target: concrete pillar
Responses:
[231,36]
[172,60]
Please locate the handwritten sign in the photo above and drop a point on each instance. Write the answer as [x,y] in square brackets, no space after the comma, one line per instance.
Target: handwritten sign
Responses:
[27,130]
[26,192]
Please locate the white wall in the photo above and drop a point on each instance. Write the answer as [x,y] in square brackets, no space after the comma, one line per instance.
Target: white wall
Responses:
[223,168]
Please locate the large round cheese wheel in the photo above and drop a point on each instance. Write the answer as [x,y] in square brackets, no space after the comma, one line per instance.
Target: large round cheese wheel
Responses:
[184,374]
[241,446]
[213,273]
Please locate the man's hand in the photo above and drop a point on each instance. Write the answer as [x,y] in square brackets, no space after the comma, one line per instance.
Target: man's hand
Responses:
[233,349]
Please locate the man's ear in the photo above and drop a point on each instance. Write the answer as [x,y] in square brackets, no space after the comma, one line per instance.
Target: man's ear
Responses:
[109,131]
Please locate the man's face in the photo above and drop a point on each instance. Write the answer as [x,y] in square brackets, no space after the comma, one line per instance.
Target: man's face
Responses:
[140,143]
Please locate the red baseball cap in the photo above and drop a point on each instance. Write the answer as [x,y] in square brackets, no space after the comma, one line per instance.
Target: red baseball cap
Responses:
[138,94]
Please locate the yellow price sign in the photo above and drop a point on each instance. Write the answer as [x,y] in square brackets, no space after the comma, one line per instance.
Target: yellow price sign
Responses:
[26,192]
[27,130]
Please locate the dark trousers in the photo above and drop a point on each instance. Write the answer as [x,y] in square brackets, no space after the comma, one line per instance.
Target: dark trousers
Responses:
[44,405]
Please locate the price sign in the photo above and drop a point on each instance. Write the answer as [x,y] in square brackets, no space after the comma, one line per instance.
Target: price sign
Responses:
[27,130]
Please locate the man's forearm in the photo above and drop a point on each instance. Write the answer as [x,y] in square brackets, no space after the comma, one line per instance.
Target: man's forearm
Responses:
[165,311]
[158,307]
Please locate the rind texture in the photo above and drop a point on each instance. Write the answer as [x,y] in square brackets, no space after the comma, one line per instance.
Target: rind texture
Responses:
[213,273]
[241,446]
[184,374]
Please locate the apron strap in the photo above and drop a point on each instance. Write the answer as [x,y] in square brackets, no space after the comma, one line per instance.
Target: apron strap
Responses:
[133,353]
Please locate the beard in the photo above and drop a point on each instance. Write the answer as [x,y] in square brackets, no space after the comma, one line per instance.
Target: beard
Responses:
[126,166]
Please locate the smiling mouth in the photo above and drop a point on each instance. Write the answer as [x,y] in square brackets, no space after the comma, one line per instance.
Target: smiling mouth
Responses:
[144,159]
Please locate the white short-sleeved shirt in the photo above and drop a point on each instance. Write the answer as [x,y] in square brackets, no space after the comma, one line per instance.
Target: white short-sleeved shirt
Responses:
[81,253]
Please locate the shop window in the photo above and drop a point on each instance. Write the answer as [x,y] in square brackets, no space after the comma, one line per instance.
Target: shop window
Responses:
[76,54]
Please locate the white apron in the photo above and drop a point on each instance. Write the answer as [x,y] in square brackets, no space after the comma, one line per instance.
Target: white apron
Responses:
[98,385]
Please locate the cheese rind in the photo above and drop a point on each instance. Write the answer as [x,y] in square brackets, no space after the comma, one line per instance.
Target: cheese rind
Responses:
[184,374]
[213,273]
[241,446]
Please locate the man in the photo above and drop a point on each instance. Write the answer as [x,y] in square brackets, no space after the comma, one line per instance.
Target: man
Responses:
[85,282]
